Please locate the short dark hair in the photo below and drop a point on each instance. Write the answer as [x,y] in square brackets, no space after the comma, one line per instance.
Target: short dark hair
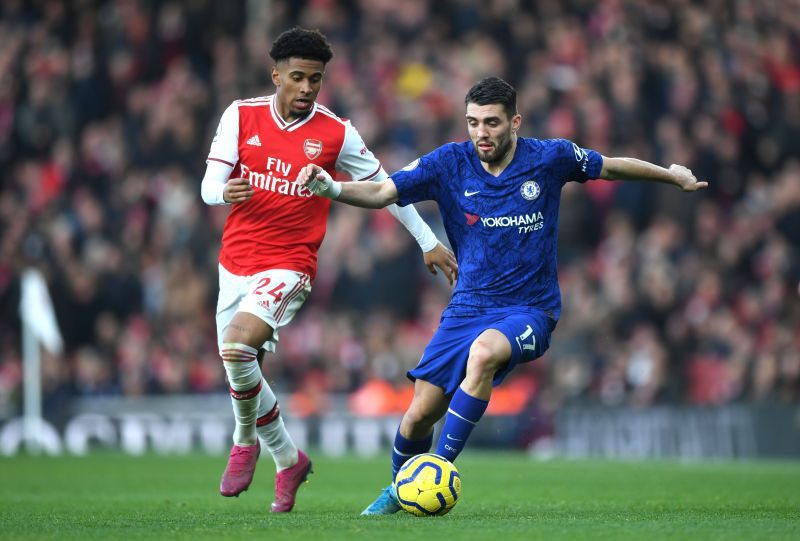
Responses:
[301,43]
[492,90]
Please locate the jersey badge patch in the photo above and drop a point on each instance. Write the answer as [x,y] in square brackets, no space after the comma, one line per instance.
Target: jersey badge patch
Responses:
[312,148]
[530,190]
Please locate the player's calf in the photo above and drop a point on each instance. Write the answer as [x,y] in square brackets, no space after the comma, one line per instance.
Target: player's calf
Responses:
[463,414]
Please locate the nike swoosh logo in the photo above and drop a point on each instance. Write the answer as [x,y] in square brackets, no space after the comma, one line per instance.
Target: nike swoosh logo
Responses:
[449,437]
[468,193]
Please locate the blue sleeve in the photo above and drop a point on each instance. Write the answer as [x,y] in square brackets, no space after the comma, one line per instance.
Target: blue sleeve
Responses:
[419,180]
[569,162]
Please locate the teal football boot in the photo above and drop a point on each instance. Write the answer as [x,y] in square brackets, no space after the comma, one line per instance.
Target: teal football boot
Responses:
[385,504]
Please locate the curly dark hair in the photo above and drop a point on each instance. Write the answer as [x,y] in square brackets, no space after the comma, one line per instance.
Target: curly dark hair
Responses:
[493,90]
[301,43]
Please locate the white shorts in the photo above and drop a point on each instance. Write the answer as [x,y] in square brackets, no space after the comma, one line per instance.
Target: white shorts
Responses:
[274,296]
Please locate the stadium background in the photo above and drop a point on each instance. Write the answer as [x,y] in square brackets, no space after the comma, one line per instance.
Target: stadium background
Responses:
[673,304]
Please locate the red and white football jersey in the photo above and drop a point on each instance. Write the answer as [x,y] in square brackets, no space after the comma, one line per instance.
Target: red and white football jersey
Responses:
[283,224]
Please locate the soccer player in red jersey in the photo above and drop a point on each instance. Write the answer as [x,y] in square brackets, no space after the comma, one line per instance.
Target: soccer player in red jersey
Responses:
[271,237]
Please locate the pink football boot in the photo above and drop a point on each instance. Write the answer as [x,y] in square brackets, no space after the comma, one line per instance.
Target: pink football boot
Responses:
[288,481]
[240,469]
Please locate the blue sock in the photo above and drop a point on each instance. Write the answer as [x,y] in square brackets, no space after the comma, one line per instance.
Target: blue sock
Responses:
[463,414]
[404,449]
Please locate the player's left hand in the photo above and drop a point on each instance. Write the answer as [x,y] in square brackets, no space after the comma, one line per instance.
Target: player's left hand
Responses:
[685,179]
[445,259]
[318,181]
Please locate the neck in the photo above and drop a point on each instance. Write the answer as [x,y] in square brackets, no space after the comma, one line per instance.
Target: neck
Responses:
[495,168]
[285,113]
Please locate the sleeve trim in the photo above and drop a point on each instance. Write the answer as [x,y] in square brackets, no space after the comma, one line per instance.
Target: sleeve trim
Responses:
[371,175]
[221,161]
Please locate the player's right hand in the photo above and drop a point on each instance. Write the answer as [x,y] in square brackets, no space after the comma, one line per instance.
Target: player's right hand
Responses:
[686,179]
[237,190]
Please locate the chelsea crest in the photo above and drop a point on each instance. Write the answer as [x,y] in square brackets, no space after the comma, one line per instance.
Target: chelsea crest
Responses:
[530,190]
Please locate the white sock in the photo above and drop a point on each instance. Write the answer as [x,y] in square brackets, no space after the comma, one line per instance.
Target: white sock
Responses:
[272,431]
[244,378]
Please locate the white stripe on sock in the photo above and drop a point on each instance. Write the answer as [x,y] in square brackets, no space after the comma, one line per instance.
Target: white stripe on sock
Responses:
[449,410]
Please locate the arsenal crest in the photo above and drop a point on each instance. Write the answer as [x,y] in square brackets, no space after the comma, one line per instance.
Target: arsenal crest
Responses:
[312,148]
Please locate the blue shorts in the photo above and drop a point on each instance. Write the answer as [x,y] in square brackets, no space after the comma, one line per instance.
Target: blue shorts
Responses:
[444,361]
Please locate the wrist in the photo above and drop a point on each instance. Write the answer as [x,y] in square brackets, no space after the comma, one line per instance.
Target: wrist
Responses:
[328,188]
[334,190]
[428,241]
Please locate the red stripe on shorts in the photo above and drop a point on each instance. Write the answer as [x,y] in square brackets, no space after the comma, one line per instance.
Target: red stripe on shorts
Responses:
[288,299]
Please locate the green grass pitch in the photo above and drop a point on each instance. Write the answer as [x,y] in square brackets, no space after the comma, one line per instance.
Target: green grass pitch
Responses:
[505,497]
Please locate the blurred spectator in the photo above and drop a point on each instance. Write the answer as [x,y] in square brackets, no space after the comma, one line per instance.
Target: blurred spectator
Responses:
[107,109]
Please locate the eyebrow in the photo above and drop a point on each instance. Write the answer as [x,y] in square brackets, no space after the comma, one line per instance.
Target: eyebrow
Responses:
[487,119]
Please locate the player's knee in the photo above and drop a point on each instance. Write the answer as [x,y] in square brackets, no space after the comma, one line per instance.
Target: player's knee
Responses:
[481,361]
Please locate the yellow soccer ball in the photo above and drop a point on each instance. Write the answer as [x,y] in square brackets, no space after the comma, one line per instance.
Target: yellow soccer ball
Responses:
[428,485]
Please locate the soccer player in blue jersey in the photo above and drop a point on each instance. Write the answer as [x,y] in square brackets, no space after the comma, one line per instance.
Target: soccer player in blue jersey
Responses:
[498,195]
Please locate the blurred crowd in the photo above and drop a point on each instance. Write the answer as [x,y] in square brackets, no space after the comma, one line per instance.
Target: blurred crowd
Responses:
[107,110]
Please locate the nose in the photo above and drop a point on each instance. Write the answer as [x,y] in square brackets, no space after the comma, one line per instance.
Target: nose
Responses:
[305,86]
[481,131]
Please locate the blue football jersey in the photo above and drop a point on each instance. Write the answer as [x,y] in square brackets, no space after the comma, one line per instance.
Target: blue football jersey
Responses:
[503,229]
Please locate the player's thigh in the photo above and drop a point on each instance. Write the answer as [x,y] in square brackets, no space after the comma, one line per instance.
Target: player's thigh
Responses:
[232,289]
[528,335]
[247,329]
[274,296]
[260,304]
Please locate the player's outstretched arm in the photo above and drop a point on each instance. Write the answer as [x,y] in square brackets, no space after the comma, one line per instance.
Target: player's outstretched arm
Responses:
[633,169]
[373,195]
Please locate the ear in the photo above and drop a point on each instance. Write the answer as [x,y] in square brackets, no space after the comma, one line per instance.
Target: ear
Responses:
[516,122]
[276,76]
